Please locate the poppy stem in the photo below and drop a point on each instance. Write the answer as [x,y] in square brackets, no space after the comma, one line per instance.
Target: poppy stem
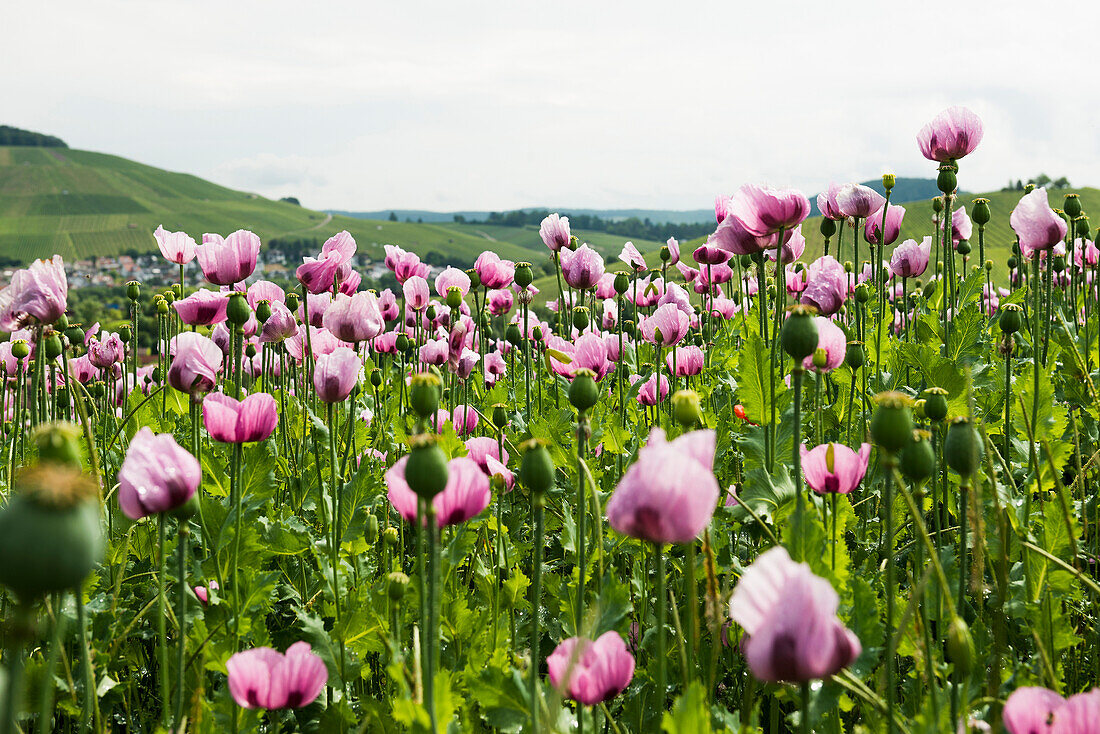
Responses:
[536,605]
[805,718]
[162,615]
[183,534]
[662,603]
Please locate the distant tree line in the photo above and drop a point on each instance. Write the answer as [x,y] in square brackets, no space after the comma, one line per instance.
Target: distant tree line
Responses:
[630,228]
[1041,180]
[15,136]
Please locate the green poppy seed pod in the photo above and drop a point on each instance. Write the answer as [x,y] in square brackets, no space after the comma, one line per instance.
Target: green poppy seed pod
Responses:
[1081,227]
[292,301]
[863,293]
[524,275]
[666,254]
[263,311]
[487,323]
[798,335]
[125,333]
[1059,264]
[580,317]
[370,530]
[960,646]
[162,307]
[500,415]
[237,312]
[628,328]
[935,404]
[1012,262]
[698,339]
[98,389]
[821,358]
[979,211]
[746,261]
[892,421]
[20,349]
[962,449]
[686,408]
[391,537]
[59,442]
[430,312]
[50,534]
[250,351]
[848,266]
[855,356]
[396,583]
[170,296]
[403,342]
[424,391]
[52,345]
[622,282]
[156,374]
[475,279]
[583,392]
[61,323]
[176,290]
[376,377]
[536,333]
[963,248]
[937,204]
[426,471]
[513,335]
[536,467]
[574,243]
[917,459]
[133,290]
[827,227]
[1012,318]
[988,264]
[1072,206]
[888,181]
[1028,188]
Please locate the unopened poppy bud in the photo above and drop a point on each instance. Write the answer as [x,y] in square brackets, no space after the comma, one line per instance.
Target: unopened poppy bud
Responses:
[917,459]
[58,442]
[960,646]
[580,317]
[396,584]
[979,212]
[929,289]
[1012,318]
[935,404]
[937,204]
[746,261]
[263,311]
[370,529]
[424,394]
[622,282]
[1072,207]
[583,392]
[798,334]
[133,290]
[391,537]
[855,356]
[686,408]
[426,470]
[962,449]
[475,279]
[988,265]
[1059,264]
[536,468]
[827,227]
[237,312]
[52,346]
[430,312]
[963,248]
[524,275]
[892,421]
[156,374]
[500,415]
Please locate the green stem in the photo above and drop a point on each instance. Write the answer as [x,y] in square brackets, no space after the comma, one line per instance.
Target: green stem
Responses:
[805,718]
[582,512]
[887,552]
[162,616]
[85,660]
[336,486]
[662,603]
[433,611]
[536,608]
[45,701]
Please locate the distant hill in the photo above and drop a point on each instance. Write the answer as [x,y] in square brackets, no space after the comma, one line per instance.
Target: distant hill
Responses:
[15,136]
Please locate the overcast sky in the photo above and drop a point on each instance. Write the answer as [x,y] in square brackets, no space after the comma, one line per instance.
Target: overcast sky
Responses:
[498,105]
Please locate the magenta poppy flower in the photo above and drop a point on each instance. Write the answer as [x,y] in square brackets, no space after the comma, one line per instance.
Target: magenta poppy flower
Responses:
[355,318]
[554,232]
[710,253]
[952,134]
[280,325]
[176,247]
[202,593]
[648,394]
[734,236]
[591,672]
[36,295]
[792,249]
[264,290]
[336,373]
[765,210]
[404,264]
[464,419]
[688,361]
[673,250]
[239,421]
[107,351]
[1080,714]
[494,272]
[501,301]
[480,449]
[894,216]
[318,275]
[262,678]
[157,475]
[632,257]
[202,308]
[669,494]
[1031,710]
[416,293]
[677,296]
[910,259]
[229,260]
[667,326]
[581,268]
[789,618]
[961,226]
[724,307]
[590,352]
[452,278]
[1037,225]
[857,200]
[833,340]
[494,368]
[465,495]
[826,285]
[833,468]
[827,203]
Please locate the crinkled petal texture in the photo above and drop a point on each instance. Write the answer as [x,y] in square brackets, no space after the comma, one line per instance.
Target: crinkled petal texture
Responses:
[591,353]
[1036,224]
[202,308]
[1030,710]
[354,318]
[910,258]
[1080,714]
[336,373]
[229,260]
[582,268]
[826,285]
[481,448]
[176,247]
[669,494]
[157,475]
[267,679]
[667,326]
[632,257]
[857,200]
[952,134]
[789,616]
[245,421]
[833,340]
[554,232]
[37,294]
[833,468]
[452,278]
[196,361]
[465,495]
[765,210]
[318,275]
[591,672]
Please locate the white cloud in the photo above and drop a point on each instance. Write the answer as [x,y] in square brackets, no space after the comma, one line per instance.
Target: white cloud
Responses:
[499,104]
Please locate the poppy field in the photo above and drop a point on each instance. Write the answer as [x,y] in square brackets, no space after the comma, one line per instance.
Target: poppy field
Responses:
[737,487]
